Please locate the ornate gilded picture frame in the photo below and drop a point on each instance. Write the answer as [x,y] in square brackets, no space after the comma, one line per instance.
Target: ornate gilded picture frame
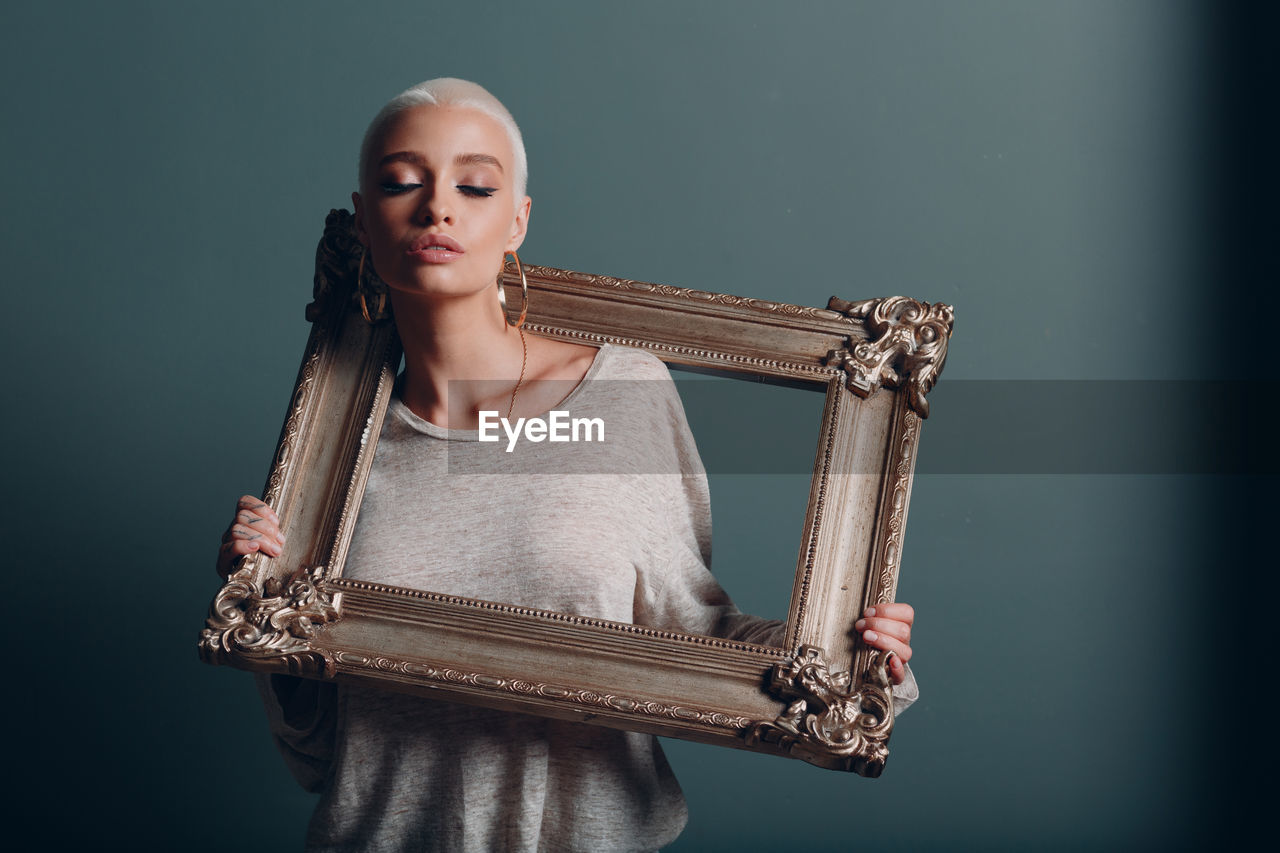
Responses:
[823,697]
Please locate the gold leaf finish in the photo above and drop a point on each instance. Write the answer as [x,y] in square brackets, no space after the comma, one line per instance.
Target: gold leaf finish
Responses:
[818,494]
[680,293]
[586,698]
[271,626]
[904,459]
[666,352]
[829,721]
[550,616]
[907,345]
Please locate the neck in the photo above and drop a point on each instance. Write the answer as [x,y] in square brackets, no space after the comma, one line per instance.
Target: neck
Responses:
[464,340]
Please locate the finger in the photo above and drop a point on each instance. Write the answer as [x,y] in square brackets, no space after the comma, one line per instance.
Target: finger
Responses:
[260,539]
[890,644]
[266,526]
[255,513]
[258,507]
[238,548]
[231,551]
[230,555]
[897,670]
[898,610]
[892,627]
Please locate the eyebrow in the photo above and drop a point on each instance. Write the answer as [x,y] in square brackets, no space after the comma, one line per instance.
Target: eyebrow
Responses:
[461,160]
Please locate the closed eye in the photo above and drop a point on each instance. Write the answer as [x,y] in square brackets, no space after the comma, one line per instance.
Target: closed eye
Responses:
[478,192]
[396,189]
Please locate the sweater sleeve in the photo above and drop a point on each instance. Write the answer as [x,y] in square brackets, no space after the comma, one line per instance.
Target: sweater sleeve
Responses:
[906,693]
[686,597]
[302,715]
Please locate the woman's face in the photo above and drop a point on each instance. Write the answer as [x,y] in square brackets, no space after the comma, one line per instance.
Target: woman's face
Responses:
[438,211]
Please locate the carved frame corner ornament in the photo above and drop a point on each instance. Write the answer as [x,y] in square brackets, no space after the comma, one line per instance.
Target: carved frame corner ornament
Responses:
[906,344]
[340,275]
[829,723]
[270,626]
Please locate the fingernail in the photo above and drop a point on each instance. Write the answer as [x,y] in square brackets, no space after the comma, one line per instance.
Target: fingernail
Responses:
[871,611]
[860,624]
[870,636]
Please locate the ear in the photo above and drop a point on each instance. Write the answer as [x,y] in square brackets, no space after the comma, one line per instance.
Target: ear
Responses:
[361,234]
[521,226]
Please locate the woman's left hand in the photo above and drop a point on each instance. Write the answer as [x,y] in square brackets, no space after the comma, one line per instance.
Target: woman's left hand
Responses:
[888,627]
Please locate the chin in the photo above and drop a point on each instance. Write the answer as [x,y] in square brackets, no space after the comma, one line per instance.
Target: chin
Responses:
[435,284]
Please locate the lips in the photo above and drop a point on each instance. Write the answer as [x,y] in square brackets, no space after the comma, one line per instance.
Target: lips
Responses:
[435,249]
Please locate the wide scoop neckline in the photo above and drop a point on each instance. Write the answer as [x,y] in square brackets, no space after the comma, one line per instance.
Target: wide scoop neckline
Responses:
[426,427]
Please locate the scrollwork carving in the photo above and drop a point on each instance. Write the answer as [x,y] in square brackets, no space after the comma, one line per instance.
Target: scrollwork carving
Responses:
[907,343]
[337,267]
[272,624]
[902,464]
[828,722]
[588,698]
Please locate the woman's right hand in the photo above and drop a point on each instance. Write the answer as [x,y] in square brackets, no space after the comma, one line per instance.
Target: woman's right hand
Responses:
[256,527]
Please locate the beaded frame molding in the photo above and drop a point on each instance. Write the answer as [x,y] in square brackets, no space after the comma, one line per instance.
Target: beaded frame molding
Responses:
[824,697]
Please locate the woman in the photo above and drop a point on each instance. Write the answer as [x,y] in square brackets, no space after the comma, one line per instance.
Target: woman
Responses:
[441,200]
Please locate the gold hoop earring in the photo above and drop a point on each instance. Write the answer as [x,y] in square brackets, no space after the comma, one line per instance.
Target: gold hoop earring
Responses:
[524,291]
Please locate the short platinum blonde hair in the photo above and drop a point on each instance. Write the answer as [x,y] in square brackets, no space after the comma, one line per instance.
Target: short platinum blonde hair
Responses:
[450,92]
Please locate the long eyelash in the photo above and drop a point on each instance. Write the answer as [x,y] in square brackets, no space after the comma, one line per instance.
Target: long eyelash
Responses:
[467,189]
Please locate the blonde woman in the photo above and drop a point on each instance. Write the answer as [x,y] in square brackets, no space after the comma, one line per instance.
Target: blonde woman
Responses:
[441,201]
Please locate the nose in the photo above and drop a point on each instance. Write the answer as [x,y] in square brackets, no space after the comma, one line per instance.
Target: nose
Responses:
[436,206]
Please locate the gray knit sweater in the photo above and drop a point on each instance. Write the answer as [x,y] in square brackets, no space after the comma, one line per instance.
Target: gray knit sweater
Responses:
[619,529]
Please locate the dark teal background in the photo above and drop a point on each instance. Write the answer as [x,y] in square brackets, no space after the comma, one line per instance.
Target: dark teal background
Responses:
[1048,168]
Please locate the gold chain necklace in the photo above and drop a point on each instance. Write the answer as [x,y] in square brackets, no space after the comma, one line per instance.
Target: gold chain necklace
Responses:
[524,358]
